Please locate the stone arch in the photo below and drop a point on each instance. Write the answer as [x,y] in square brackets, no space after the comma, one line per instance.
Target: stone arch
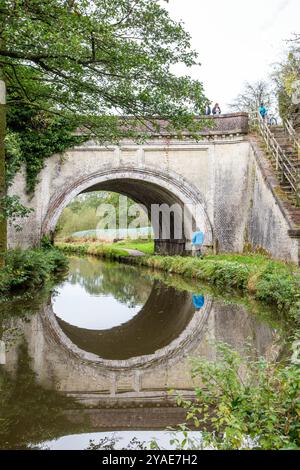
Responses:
[146,186]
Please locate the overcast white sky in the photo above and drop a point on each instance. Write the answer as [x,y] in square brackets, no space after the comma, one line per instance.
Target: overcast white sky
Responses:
[237,40]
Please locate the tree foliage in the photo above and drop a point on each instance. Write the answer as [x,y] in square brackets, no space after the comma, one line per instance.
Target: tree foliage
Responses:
[252,95]
[287,77]
[81,213]
[11,209]
[96,59]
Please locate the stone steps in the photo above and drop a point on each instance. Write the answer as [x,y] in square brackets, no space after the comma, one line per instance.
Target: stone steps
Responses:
[290,200]
[287,145]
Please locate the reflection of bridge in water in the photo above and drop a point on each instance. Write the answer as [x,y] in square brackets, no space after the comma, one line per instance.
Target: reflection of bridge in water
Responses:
[61,364]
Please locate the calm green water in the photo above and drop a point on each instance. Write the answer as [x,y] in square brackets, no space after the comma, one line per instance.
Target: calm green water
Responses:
[99,354]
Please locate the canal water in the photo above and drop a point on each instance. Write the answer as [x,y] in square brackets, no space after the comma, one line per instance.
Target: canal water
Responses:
[95,358]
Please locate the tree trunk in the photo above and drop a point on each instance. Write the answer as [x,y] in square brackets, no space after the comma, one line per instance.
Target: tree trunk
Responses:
[3,221]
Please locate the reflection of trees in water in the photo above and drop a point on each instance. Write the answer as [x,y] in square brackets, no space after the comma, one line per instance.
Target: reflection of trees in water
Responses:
[21,308]
[126,283]
[30,413]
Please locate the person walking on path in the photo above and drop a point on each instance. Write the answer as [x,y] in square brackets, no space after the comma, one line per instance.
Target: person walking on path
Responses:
[198,301]
[197,242]
[216,109]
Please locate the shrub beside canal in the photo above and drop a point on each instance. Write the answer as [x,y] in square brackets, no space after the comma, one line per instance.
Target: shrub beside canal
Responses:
[28,269]
[255,402]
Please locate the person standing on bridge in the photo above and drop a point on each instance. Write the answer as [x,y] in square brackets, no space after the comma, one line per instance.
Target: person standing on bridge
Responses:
[262,110]
[208,110]
[216,109]
[197,242]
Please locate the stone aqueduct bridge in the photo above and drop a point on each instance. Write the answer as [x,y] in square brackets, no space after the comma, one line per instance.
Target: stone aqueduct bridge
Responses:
[223,174]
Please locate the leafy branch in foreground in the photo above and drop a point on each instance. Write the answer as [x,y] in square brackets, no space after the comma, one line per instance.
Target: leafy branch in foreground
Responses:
[34,136]
[245,403]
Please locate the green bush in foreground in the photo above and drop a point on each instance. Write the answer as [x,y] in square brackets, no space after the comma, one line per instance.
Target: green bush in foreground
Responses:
[244,403]
[30,268]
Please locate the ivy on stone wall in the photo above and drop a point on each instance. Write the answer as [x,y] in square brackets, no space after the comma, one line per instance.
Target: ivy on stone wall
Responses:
[34,136]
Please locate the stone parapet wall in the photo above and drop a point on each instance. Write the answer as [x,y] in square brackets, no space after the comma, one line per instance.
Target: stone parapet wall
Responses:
[232,124]
[224,125]
[213,125]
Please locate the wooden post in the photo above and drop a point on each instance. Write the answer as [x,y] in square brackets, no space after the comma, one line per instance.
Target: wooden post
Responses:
[3,221]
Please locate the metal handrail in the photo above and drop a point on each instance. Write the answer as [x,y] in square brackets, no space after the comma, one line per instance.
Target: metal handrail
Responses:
[289,171]
[291,131]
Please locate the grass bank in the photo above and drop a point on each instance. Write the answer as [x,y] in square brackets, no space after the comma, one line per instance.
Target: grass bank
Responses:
[29,269]
[270,281]
[145,246]
[105,250]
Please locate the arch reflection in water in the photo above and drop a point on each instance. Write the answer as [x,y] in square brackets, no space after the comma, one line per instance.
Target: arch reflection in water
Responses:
[118,312]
